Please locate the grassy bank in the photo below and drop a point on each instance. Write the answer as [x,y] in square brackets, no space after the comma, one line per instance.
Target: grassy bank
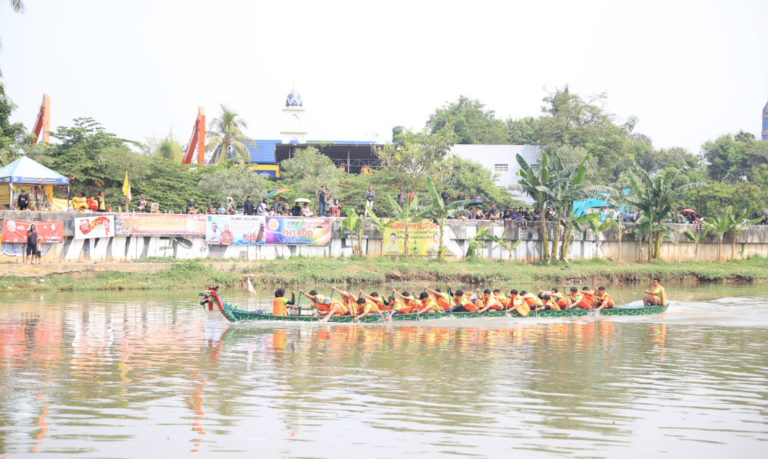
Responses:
[310,272]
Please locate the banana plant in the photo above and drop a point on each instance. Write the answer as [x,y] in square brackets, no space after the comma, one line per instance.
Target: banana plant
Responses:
[475,242]
[354,224]
[503,243]
[406,214]
[696,238]
[598,227]
[439,212]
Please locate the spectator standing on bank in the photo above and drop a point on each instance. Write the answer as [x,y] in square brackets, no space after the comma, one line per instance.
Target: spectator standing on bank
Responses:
[444,195]
[142,205]
[369,195]
[102,202]
[248,207]
[23,203]
[461,196]
[32,249]
[191,209]
[276,205]
[400,199]
[261,209]
[321,199]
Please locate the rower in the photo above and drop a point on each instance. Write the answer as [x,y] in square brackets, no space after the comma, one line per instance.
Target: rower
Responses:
[442,299]
[557,297]
[501,298]
[656,296]
[350,301]
[279,304]
[367,306]
[409,300]
[531,300]
[397,306]
[487,301]
[374,297]
[516,303]
[577,299]
[316,301]
[427,305]
[462,302]
[548,303]
[604,300]
[335,307]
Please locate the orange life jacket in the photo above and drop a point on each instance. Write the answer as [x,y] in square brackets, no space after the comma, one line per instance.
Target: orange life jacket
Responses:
[442,302]
[278,307]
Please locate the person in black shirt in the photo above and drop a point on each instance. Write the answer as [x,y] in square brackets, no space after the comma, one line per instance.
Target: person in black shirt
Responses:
[296,210]
[248,207]
[23,200]
[461,196]
[191,209]
[444,195]
[32,251]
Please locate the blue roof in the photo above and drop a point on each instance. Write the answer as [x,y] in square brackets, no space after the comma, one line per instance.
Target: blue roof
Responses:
[27,171]
[265,149]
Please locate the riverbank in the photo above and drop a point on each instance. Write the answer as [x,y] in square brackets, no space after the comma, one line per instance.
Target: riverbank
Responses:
[309,272]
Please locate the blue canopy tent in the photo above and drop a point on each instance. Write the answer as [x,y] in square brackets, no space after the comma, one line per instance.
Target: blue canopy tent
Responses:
[25,171]
[581,207]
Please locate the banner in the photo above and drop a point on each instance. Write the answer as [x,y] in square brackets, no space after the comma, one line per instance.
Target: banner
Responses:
[423,239]
[94,227]
[47,232]
[160,224]
[234,230]
[298,231]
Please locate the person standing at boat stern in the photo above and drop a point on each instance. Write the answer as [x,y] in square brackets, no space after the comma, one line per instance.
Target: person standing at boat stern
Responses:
[657,296]
[280,303]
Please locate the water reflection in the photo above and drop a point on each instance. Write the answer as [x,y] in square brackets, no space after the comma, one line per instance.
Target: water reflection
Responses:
[106,376]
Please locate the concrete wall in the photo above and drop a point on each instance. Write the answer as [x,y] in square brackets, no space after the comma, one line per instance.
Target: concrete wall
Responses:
[752,241]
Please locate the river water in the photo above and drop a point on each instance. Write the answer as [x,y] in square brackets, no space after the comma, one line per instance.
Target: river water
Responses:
[143,374]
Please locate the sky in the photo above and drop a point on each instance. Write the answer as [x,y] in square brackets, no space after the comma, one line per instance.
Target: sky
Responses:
[689,70]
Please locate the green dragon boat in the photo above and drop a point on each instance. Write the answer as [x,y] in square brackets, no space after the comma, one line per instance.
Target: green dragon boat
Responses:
[234,314]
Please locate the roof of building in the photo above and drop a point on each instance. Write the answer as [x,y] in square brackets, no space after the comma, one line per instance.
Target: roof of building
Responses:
[765,109]
[265,149]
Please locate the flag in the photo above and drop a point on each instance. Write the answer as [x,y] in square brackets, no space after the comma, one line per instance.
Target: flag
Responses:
[127,186]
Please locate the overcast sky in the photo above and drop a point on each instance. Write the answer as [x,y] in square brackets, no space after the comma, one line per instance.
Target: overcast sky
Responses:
[690,71]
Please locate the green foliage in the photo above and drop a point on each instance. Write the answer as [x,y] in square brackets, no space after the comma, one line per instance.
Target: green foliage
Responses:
[226,130]
[413,156]
[237,183]
[13,136]
[733,158]
[522,131]
[170,149]
[474,179]
[470,121]
[306,171]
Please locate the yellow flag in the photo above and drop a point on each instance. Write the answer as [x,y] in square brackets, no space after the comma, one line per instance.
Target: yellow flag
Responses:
[127,186]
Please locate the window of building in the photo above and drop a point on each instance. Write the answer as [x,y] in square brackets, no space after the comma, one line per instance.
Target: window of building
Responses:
[501,167]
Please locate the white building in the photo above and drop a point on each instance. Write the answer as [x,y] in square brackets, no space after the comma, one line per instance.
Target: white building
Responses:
[501,159]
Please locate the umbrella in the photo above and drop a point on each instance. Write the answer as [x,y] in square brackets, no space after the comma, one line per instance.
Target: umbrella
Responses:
[765,213]
[277,191]
[303,200]
[475,202]
[688,211]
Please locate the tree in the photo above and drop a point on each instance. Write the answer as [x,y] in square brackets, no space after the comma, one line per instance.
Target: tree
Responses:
[655,196]
[532,184]
[720,224]
[354,223]
[13,136]
[471,122]
[503,243]
[170,149]
[572,120]
[598,227]
[522,131]
[438,211]
[307,170]
[412,156]
[739,221]
[696,238]
[734,158]
[474,179]
[226,137]
[236,183]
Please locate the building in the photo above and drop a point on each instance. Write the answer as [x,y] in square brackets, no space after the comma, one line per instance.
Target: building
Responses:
[765,122]
[351,155]
[501,160]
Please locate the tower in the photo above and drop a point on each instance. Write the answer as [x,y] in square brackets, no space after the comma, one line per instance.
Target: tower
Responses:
[765,122]
[293,119]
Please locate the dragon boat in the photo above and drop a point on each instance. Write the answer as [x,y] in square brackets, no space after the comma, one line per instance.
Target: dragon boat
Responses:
[234,314]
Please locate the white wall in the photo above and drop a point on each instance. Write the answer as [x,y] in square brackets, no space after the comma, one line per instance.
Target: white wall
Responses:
[491,155]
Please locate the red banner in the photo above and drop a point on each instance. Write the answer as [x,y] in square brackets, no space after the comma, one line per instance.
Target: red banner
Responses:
[47,232]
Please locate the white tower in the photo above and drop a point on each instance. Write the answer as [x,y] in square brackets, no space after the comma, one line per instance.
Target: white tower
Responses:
[293,119]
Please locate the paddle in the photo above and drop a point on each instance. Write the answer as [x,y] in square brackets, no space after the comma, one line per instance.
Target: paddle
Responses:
[298,305]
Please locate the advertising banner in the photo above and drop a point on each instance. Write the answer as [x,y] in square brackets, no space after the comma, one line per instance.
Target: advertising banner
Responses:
[423,239]
[234,230]
[160,224]
[298,231]
[94,227]
[47,232]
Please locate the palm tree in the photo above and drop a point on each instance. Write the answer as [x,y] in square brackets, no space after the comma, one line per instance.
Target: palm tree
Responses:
[354,224]
[438,211]
[720,225]
[655,196]
[531,184]
[597,227]
[738,223]
[225,132]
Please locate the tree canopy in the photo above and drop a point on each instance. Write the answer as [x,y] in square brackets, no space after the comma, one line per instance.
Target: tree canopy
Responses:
[470,121]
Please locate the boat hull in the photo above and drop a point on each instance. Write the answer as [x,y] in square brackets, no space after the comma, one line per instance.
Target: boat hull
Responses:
[233,314]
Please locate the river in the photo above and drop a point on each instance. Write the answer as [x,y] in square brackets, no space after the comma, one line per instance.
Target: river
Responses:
[148,374]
